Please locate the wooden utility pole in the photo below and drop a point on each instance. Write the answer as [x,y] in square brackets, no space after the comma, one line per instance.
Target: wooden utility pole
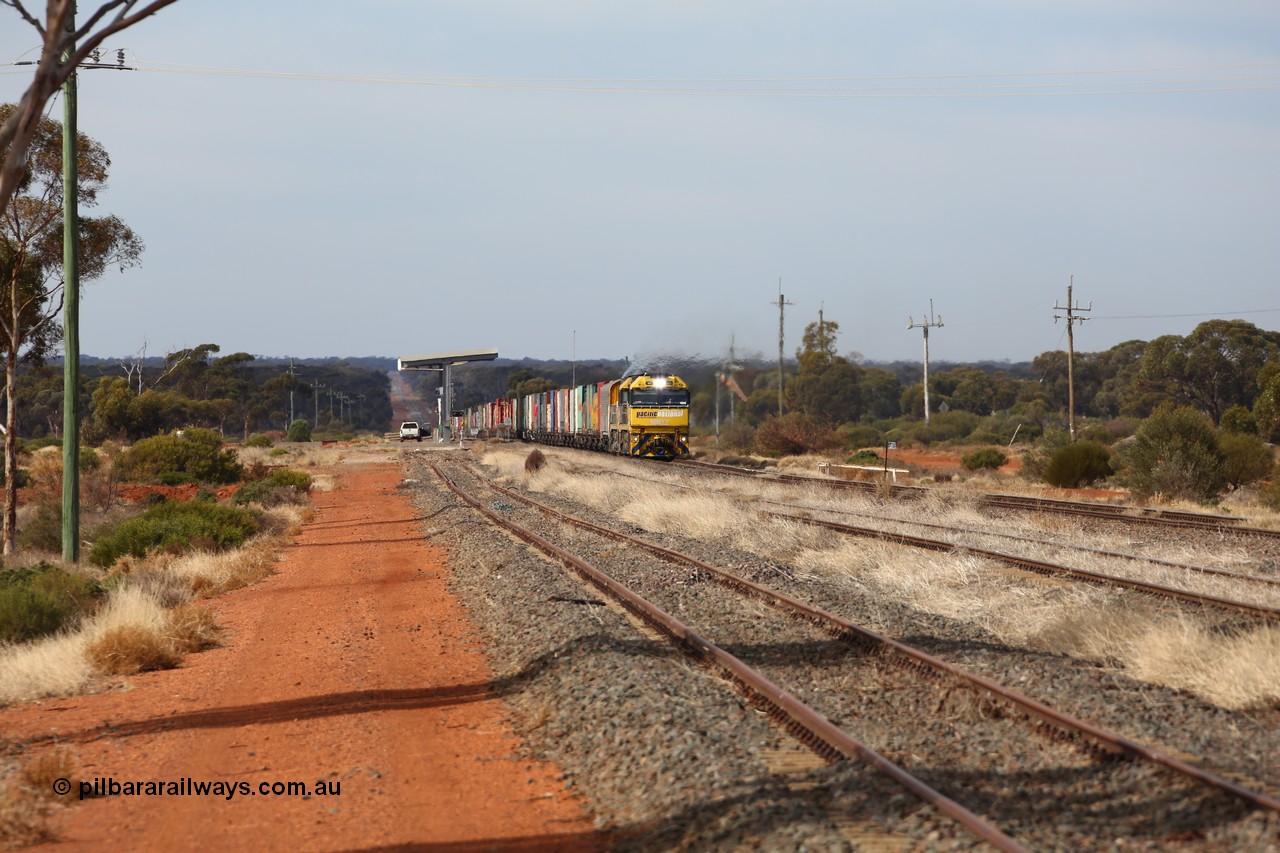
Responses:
[925,325]
[1072,309]
[782,304]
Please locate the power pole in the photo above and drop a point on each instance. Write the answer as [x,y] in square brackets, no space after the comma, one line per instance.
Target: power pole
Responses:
[315,397]
[70,316]
[71,302]
[926,325]
[731,368]
[1071,318]
[292,374]
[782,307]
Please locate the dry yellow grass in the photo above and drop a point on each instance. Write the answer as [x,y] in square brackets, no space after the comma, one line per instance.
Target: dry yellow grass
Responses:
[27,800]
[129,635]
[192,628]
[130,649]
[208,573]
[25,815]
[53,666]
[1108,626]
[135,629]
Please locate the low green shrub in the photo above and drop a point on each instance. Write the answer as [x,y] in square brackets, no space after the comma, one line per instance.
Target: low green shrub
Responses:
[1248,458]
[43,530]
[1078,464]
[1096,433]
[257,440]
[947,426]
[42,599]
[863,457]
[300,430]
[1121,428]
[1270,495]
[737,435]
[31,445]
[793,434]
[193,456]
[1238,419]
[177,527]
[1174,454]
[988,458]
[276,488]
[858,435]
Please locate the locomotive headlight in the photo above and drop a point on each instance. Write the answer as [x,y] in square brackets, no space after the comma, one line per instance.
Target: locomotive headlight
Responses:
[660,382]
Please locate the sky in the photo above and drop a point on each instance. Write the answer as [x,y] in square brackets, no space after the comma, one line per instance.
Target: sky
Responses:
[581,180]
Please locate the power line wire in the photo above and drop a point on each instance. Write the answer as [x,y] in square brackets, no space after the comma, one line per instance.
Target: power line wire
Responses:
[1199,314]
[772,87]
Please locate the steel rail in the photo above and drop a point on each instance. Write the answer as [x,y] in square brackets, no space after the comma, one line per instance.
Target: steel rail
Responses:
[1036,502]
[1101,552]
[1152,516]
[811,727]
[838,625]
[1043,568]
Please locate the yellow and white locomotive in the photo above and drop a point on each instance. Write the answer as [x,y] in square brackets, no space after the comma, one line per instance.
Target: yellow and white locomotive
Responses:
[646,414]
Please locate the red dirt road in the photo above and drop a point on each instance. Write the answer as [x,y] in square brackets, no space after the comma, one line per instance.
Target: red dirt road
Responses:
[353,665]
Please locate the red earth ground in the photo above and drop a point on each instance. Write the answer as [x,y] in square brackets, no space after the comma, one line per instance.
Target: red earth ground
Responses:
[928,462]
[353,665]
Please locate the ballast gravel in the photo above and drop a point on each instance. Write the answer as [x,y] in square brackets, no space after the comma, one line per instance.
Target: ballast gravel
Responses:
[669,757]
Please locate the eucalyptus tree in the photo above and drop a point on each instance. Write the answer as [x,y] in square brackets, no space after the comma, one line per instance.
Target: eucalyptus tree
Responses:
[31,271]
[1215,367]
[63,46]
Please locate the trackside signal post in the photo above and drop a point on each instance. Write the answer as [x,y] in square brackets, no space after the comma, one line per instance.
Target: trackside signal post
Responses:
[442,362]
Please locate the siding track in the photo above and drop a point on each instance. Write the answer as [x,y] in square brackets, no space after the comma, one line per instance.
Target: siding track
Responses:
[1091,739]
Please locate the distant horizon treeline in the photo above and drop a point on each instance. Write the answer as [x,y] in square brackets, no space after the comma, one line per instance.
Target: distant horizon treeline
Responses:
[1221,366]
[236,394]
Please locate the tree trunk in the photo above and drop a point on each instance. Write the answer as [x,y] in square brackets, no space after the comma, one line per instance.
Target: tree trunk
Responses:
[11,454]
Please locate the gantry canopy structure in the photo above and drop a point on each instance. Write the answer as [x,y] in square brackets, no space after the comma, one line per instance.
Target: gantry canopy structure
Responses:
[442,362]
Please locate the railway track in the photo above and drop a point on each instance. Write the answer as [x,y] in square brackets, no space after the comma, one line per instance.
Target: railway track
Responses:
[1042,567]
[1085,549]
[865,646]
[1136,515]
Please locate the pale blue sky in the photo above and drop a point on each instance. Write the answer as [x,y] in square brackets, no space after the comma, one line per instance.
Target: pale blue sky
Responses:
[315,217]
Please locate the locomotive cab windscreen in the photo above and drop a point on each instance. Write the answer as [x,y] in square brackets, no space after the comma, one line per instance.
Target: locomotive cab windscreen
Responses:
[659,397]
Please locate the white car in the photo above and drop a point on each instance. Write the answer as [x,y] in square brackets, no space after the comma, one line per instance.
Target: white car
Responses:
[411,429]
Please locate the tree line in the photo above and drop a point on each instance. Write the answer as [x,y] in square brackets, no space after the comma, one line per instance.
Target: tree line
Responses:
[236,395]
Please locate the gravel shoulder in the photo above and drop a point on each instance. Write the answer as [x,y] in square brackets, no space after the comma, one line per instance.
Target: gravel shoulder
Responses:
[353,665]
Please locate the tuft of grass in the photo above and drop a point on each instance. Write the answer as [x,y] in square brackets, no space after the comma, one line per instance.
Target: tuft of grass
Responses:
[192,628]
[47,767]
[209,574]
[131,649]
[25,816]
[129,635]
[27,801]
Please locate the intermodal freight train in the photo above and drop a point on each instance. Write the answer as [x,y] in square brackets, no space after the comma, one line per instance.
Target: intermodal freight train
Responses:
[646,414]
